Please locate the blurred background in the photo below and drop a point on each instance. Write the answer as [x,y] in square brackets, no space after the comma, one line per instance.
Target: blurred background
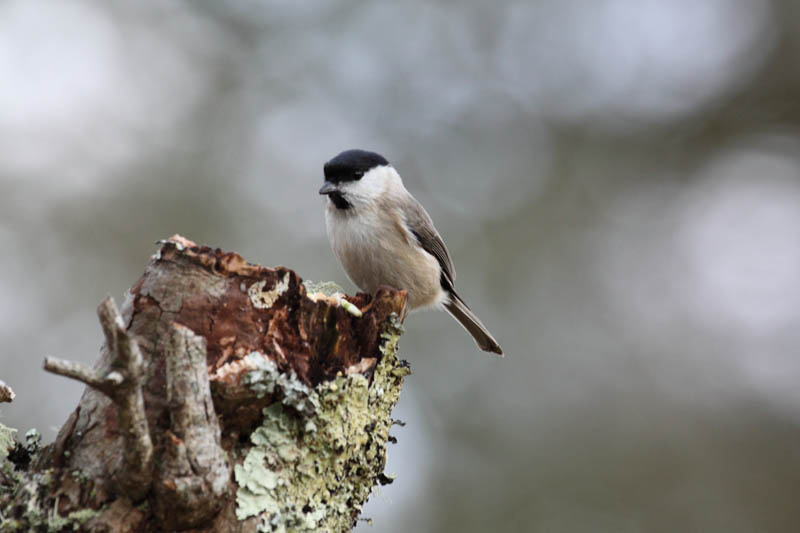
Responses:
[618,182]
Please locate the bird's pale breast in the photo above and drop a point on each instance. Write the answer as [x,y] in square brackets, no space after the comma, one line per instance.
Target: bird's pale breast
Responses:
[374,253]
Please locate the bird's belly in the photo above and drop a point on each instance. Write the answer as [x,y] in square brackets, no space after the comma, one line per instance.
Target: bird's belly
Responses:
[373,258]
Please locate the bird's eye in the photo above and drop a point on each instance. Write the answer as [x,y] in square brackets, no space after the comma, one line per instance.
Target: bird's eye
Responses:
[359,173]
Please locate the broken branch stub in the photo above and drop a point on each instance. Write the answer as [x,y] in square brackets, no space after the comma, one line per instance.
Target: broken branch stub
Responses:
[120,380]
[6,394]
[194,472]
[227,400]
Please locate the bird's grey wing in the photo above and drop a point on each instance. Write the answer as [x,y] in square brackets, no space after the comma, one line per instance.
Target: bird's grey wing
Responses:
[421,226]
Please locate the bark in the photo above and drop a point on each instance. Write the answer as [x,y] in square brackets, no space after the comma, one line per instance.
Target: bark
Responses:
[227,397]
[6,393]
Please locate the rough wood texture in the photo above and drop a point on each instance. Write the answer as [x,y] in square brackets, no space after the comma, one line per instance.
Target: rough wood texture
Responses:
[121,380]
[193,475]
[224,399]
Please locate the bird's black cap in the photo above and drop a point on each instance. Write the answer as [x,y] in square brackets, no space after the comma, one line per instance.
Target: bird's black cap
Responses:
[351,165]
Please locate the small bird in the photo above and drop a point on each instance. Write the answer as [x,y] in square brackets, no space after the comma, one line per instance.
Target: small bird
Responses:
[383,236]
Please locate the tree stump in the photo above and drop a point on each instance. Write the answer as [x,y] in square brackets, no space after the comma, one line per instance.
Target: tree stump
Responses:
[228,397]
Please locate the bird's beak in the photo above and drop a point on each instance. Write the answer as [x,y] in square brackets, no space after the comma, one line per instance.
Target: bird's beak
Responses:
[328,188]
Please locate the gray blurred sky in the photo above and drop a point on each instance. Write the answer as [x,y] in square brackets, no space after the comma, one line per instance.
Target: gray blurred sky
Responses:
[617,180]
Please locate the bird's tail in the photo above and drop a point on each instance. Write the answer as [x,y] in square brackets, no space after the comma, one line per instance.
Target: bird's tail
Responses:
[456,307]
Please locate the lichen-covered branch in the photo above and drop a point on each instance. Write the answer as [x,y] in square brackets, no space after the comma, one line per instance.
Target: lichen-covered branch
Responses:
[314,471]
[6,394]
[121,381]
[265,405]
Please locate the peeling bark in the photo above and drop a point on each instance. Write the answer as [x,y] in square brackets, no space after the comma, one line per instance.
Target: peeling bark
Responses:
[225,398]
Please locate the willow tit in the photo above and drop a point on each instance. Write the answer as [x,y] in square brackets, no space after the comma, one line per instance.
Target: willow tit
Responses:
[383,236]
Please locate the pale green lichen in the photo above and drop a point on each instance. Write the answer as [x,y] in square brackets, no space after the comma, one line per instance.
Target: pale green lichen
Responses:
[328,288]
[31,493]
[81,516]
[264,299]
[265,378]
[312,469]
[6,440]
[74,520]
[33,440]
